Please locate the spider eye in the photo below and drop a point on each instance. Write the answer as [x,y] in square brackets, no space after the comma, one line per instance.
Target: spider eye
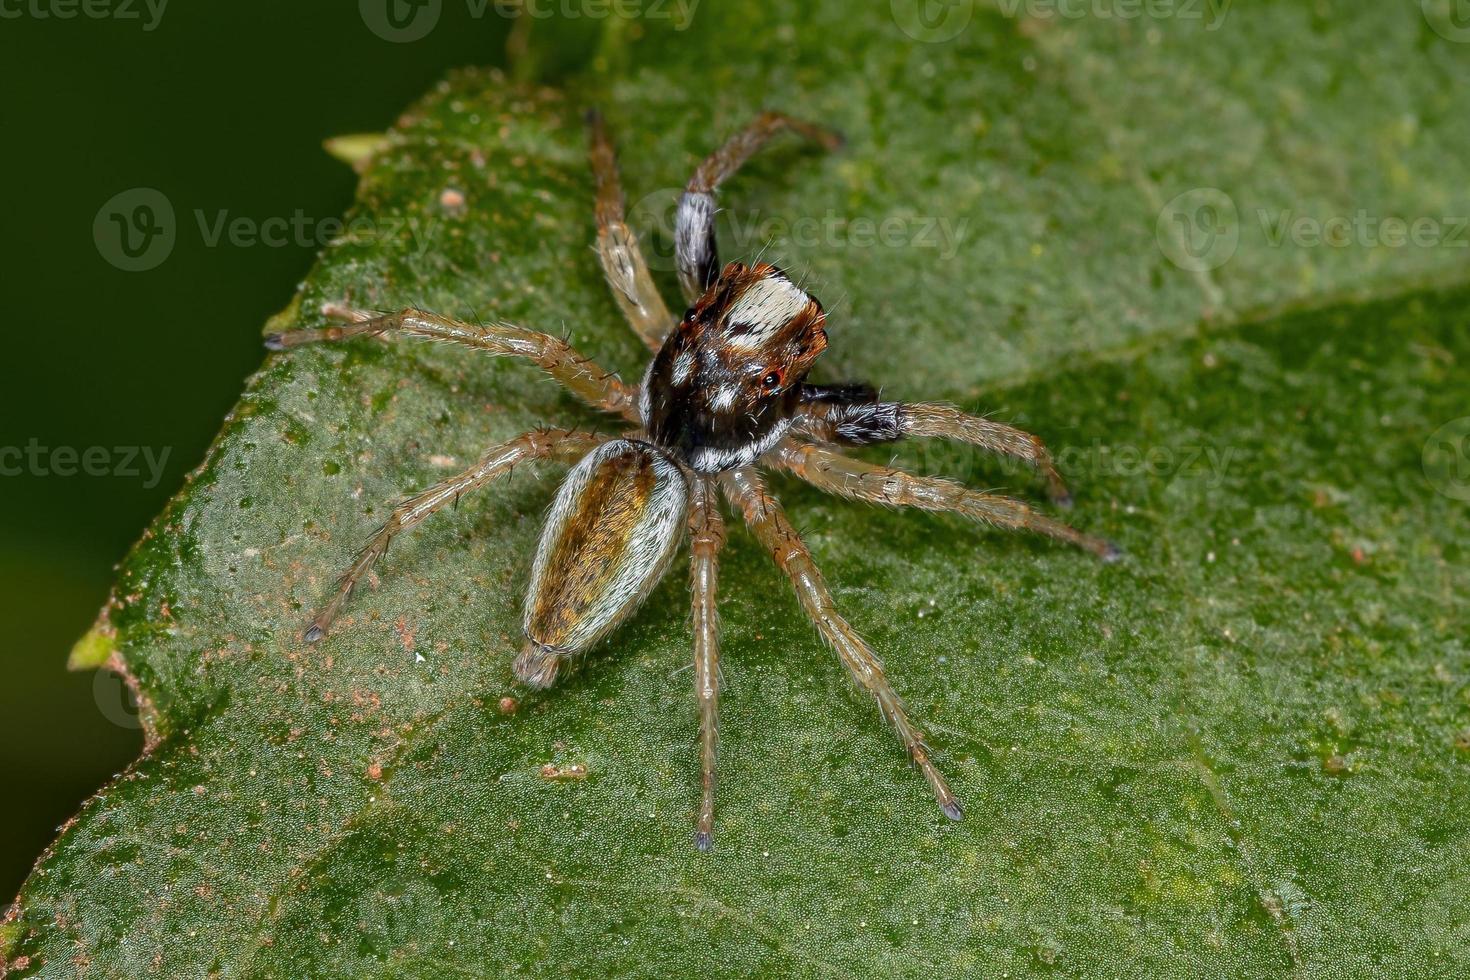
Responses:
[771,381]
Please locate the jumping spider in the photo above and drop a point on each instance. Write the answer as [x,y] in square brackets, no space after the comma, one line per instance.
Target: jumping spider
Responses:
[725,393]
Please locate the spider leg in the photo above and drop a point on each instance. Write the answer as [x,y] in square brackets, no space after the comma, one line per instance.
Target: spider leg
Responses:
[617,246]
[696,252]
[579,375]
[766,519]
[829,417]
[561,444]
[707,535]
[835,473]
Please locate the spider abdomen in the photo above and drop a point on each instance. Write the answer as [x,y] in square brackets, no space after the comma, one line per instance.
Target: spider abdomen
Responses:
[609,537]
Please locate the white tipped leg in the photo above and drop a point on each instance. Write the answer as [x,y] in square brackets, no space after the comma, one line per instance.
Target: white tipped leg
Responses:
[695,249]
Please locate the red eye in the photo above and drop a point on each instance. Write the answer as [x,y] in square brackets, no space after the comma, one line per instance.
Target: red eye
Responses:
[771,381]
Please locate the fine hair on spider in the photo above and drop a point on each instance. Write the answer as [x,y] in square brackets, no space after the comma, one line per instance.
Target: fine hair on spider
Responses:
[724,395]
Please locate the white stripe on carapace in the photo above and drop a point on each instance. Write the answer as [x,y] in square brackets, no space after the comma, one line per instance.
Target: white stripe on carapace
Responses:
[765,306]
[724,397]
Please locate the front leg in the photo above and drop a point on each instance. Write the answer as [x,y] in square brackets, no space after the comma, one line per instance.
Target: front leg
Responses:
[695,250]
[766,519]
[852,415]
[617,246]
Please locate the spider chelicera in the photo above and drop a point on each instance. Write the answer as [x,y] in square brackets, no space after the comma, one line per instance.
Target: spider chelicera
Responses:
[725,394]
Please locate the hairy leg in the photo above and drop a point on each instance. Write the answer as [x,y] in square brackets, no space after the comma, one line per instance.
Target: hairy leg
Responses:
[617,246]
[561,444]
[694,223]
[579,375]
[861,422]
[707,537]
[767,520]
[847,477]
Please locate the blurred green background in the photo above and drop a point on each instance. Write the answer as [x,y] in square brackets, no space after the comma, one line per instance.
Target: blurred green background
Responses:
[222,108]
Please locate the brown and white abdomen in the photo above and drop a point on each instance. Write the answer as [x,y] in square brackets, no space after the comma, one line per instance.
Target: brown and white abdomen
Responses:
[613,528]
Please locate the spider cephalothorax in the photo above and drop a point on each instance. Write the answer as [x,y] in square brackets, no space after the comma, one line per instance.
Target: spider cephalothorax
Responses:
[723,388]
[726,393]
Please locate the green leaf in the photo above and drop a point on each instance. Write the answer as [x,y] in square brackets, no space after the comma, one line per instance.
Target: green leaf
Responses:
[1244,752]
[92,651]
[355,149]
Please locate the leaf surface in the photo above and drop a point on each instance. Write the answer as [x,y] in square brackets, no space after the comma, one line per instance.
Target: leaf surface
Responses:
[1241,753]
